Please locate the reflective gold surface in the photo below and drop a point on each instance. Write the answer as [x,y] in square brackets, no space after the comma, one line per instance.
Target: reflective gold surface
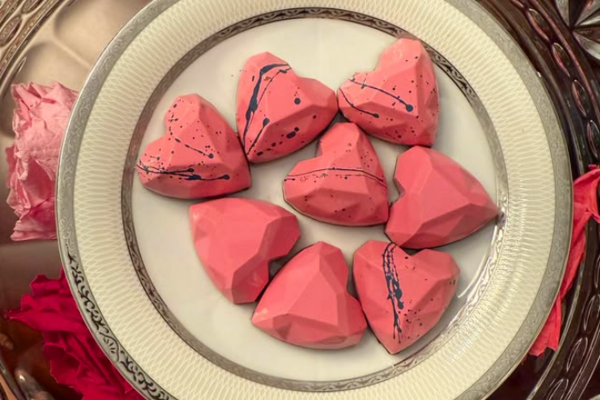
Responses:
[64,49]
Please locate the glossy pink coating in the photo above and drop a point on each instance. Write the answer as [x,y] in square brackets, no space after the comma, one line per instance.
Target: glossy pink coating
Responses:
[403,296]
[279,112]
[307,303]
[199,156]
[398,101]
[236,239]
[440,202]
[344,184]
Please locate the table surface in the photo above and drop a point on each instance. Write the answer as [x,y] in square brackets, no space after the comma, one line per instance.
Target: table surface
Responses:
[64,50]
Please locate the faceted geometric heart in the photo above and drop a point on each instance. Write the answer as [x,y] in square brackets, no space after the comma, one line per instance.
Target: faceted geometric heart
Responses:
[236,239]
[344,184]
[398,101]
[403,296]
[440,202]
[199,155]
[279,112]
[307,304]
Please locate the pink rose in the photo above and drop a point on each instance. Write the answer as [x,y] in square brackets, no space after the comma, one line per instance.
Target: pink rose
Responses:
[75,358]
[39,122]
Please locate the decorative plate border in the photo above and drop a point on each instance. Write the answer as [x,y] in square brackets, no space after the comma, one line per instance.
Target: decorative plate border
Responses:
[290,384]
[93,316]
[552,33]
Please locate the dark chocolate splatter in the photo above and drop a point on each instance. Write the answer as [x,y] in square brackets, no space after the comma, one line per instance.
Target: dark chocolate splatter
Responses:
[264,125]
[374,115]
[292,177]
[254,103]
[188,174]
[209,155]
[254,100]
[393,286]
[364,84]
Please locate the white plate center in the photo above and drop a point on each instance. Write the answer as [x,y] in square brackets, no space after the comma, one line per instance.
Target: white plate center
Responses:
[327,50]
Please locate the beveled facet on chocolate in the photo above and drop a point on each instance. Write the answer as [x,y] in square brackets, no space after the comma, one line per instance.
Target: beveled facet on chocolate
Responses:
[403,296]
[307,303]
[236,239]
[440,202]
[279,112]
[398,101]
[199,156]
[344,184]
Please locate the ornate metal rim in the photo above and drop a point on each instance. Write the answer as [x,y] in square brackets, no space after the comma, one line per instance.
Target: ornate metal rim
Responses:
[92,314]
[550,34]
[321,386]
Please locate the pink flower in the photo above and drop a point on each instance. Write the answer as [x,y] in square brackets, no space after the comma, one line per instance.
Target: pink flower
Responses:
[39,122]
[75,358]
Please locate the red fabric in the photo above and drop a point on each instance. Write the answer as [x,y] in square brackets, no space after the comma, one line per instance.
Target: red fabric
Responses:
[585,207]
[75,358]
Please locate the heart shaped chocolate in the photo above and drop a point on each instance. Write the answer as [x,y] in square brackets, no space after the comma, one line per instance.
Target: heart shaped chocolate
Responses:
[344,184]
[199,155]
[398,101]
[440,202]
[236,239]
[403,296]
[279,112]
[307,303]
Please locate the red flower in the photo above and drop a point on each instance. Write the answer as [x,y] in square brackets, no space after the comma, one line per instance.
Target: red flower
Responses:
[75,358]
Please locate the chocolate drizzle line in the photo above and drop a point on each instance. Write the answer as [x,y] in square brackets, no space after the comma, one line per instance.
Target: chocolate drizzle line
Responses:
[291,177]
[363,85]
[188,174]
[255,100]
[209,155]
[374,115]
[393,285]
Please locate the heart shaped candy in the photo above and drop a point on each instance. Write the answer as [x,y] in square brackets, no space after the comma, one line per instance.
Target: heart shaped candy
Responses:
[236,239]
[440,202]
[398,101]
[403,296]
[199,155]
[344,184]
[279,112]
[307,303]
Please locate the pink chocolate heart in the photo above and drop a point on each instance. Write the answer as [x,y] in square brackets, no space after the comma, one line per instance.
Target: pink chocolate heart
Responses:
[199,155]
[398,101]
[344,184]
[440,202]
[307,303]
[236,239]
[279,112]
[403,296]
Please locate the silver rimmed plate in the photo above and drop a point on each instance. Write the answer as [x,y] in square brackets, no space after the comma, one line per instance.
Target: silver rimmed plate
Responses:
[129,254]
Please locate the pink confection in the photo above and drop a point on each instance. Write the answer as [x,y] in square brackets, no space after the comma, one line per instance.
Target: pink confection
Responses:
[403,296]
[199,155]
[236,239]
[307,303]
[440,202]
[279,112]
[39,122]
[398,101]
[344,184]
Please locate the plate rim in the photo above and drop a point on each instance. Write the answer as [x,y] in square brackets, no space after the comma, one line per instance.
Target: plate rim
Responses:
[93,315]
[476,290]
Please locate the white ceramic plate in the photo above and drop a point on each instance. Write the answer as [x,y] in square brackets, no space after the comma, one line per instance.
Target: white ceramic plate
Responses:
[129,254]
